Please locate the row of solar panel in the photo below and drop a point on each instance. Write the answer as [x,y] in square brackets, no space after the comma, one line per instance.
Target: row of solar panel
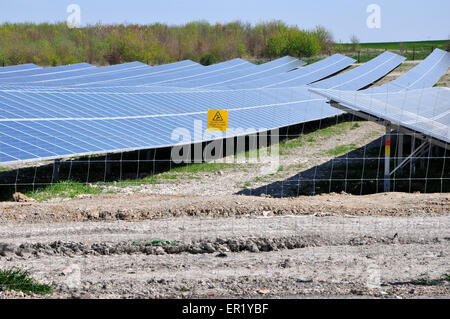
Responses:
[46,121]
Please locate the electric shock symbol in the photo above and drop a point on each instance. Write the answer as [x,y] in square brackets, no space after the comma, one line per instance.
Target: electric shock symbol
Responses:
[218,117]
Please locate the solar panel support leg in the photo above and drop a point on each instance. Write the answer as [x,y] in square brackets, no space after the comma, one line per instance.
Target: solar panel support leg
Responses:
[387,158]
[412,166]
[107,164]
[56,165]
[422,160]
[150,160]
[400,149]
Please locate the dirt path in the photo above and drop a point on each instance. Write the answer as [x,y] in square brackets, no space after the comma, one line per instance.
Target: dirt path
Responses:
[213,257]
[148,207]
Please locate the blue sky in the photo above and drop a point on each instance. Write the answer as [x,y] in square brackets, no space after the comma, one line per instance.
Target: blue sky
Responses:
[401,20]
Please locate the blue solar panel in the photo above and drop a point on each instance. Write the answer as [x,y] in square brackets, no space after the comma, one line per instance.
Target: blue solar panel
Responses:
[30,75]
[17,68]
[59,78]
[367,73]
[425,75]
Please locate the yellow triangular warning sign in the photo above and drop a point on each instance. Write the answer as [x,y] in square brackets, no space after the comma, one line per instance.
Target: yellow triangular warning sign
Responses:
[218,120]
[218,117]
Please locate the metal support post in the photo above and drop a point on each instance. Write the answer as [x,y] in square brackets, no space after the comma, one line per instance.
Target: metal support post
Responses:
[387,158]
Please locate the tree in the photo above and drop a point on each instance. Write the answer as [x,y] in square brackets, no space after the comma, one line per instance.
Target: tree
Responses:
[355,42]
[277,44]
[302,43]
[325,38]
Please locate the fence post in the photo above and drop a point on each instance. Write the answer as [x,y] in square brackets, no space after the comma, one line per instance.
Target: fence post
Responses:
[359,56]
[414,53]
[387,158]
[55,174]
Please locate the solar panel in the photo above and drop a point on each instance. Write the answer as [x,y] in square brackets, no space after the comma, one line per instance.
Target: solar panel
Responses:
[18,68]
[29,75]
[425,75]
[367,73]
[422,110]
[300,76]
[63,78]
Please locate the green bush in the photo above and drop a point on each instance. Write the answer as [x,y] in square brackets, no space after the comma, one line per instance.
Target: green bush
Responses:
[293,42]
[208,59]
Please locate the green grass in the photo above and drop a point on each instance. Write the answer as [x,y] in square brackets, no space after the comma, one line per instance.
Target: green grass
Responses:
[418,45]
[270,177]
[72,189]
[4,169]
[337,129]
[63,189]
[203,168]
[243,185]
[341,149]
[295,166]
[421,48]
[311,60]
[325,133]
[20,280]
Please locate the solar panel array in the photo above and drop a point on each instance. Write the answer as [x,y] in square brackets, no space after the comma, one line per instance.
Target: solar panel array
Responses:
[82,109]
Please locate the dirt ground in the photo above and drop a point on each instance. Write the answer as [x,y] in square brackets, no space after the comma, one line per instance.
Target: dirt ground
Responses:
[384,245]
[228,234]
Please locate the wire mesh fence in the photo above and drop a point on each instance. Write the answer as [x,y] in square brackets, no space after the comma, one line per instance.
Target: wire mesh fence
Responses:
[362,55]
[341,154]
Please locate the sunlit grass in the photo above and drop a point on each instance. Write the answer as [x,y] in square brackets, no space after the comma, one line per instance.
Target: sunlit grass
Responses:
[20,280]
